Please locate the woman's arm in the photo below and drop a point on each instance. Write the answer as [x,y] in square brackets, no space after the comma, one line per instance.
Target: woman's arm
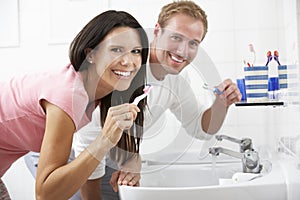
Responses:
[57,179]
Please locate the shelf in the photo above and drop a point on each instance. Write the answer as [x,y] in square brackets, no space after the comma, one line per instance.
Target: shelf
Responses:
[267,103]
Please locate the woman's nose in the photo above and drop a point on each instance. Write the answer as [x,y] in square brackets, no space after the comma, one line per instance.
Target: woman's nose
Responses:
[126,60]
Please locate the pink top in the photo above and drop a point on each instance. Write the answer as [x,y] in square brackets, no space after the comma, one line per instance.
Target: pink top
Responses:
[22,119]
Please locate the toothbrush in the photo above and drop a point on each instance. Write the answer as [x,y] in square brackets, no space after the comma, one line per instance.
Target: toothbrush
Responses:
[269,56]
[146,90]
[214,89]
[251,49]
[246,63]
[276,55]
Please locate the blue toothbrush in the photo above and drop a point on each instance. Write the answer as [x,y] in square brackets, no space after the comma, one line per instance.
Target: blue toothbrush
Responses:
[214,89]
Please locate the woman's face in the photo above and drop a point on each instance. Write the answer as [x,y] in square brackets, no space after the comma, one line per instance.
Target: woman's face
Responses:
[117,59]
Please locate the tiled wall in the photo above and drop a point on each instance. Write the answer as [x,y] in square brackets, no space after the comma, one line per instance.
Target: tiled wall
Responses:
[41,43]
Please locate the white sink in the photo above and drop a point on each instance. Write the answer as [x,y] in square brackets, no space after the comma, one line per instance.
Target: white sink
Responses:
[198,181]
[180,175]
[187,158]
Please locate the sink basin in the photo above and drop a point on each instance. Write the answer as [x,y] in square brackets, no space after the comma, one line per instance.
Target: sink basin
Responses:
[180,175]
[202,181]
[187,158]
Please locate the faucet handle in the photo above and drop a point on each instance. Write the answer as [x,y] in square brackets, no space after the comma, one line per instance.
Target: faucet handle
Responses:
[251,163]
[246,144]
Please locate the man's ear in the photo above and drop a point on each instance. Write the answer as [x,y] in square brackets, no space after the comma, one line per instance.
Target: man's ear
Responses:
[157,29]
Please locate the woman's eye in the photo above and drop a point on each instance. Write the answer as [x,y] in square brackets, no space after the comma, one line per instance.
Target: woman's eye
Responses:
[136,51]
[116,50]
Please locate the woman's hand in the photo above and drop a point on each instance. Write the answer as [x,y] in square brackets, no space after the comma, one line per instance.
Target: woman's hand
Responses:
[119,118]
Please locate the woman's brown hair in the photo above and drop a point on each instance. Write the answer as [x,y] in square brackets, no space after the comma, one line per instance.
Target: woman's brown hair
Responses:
[89,37]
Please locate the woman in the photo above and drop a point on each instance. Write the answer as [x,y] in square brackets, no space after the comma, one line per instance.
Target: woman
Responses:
[41,112]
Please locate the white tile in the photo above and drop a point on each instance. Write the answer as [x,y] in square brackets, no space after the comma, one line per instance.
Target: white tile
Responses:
[219,46]
[226,70]
[9,33]
[220,14]
[256,14]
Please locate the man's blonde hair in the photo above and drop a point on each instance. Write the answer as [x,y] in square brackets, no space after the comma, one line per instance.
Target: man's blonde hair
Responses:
[186,7]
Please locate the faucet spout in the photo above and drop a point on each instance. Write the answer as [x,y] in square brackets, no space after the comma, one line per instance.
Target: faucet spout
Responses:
[225,137]
[245,143]
[217,150]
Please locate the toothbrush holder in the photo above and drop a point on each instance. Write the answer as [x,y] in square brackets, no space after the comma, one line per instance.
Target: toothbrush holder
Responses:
[289,82]
[282,75]
[256,82]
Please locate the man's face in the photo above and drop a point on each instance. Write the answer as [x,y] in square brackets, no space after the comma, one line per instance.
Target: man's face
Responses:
[177,43]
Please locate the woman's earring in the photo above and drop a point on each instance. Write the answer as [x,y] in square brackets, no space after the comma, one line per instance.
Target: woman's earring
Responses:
[90,61]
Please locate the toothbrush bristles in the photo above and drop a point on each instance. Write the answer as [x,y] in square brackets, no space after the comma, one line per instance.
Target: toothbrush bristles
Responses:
[276,55]
[214,89]
[251,47]
[147,88]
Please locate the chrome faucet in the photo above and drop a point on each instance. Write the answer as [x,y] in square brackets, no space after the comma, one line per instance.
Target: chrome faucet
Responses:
[250,158]
[245,143]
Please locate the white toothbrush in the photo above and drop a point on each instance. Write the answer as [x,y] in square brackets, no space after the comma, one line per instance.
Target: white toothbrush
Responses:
[146,90]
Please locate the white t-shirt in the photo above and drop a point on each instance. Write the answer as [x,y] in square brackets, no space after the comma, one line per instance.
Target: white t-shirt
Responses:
[173,93]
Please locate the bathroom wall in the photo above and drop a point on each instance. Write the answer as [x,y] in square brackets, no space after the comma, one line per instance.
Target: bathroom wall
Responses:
[233,25]
[36,35]
[268,25]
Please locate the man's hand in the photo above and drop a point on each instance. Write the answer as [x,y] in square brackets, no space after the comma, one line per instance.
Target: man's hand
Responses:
[129,174]
[230,93]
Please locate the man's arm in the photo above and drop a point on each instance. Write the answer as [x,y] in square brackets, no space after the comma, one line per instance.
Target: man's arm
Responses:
[213,118]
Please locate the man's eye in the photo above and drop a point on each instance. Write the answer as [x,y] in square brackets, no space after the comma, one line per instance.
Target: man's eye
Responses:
[194,43]
[136,51]
[175,38]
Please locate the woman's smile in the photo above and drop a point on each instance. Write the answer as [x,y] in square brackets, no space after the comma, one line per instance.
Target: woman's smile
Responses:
[122,74]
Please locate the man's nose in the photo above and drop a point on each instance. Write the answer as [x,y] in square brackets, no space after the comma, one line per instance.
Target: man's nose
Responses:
[183,49]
